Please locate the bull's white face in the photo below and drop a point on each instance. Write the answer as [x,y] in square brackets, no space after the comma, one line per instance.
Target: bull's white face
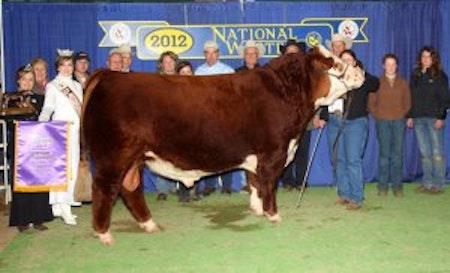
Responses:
[343,78]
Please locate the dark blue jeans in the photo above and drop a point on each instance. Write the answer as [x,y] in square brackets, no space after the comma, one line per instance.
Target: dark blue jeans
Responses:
[350,151]
[390,134]
[295,172]
[431,145]
[227,180]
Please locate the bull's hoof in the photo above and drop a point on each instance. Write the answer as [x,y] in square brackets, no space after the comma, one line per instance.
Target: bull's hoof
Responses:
[276,218]
[257,211]
[149,226]
[106,238]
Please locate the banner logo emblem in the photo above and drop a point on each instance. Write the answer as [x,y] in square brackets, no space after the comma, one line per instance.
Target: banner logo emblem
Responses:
[119,33]
[349,29]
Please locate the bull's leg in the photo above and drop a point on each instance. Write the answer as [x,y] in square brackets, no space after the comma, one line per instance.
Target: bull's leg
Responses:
[104,194]
[256,204]
[135,202]
[270,202]
[267,177]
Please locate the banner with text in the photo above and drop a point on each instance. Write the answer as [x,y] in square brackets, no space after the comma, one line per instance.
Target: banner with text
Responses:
[151,38]
[41,156]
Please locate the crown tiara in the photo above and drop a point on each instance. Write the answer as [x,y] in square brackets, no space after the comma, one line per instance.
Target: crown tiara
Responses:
[28,68]
[64,52]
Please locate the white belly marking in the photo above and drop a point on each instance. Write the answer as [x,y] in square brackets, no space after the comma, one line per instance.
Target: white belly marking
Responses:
[188,177]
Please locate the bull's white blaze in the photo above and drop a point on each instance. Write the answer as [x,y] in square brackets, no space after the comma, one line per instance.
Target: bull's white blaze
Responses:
[337,89]
[106,238]
[255,202]
[353,78]
[188,177]
[149,226]
[293,145]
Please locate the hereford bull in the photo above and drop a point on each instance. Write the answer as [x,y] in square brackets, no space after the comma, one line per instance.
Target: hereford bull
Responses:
[187,127]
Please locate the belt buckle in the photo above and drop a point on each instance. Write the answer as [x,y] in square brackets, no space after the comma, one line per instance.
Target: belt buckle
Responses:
[337,113]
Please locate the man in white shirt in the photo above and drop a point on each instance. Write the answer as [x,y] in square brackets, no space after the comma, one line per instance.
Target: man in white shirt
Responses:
[214,66]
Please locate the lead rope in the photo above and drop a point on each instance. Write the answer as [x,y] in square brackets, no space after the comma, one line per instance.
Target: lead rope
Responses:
[341,129]
[308,167]
[313,153]
[316,143]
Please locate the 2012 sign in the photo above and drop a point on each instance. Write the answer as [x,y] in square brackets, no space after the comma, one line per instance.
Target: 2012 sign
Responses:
[168,39]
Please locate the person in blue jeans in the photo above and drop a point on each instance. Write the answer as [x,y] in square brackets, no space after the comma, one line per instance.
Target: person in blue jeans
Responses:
[389,106]
[430,101]
[214,66]
[166,65]
[294,173]
[347,137]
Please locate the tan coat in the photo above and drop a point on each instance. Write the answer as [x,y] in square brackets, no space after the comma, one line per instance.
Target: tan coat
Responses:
[392,100]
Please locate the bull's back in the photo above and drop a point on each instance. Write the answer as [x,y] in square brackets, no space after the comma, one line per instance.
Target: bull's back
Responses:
[189,116]
[149,96]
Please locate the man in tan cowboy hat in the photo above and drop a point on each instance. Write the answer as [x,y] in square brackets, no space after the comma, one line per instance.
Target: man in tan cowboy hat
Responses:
[115,60]
[127,56]
[339,43]
[251,52]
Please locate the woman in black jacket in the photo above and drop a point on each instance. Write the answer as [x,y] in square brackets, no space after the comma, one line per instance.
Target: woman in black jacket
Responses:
[347,137]
[27,209]
[429,103]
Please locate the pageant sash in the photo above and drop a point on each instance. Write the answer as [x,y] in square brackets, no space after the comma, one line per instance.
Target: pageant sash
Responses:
[71,96]
[41,156]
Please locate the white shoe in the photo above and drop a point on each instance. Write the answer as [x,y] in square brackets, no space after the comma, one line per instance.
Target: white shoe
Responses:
[75,204]
[56,210]
[69,220]
[67,215]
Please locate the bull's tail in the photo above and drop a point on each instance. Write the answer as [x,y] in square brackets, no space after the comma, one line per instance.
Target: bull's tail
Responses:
[92,82]
[83,185]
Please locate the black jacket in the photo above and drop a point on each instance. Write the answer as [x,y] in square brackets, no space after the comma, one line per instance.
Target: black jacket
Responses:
[244,68]
[429,96]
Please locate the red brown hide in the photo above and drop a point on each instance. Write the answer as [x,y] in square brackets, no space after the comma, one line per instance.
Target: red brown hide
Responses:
[207,123]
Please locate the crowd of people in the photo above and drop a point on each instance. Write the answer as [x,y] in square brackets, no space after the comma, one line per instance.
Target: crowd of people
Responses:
[422,104]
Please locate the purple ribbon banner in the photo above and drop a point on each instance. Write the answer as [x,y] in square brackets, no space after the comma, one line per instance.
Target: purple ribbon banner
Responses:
[41,157]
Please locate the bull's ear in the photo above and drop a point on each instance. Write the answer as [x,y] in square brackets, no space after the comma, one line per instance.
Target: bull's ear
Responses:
[318,61]
[315,50]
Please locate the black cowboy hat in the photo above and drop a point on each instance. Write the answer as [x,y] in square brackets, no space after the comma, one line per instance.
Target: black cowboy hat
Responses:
[81,55]
[301,45]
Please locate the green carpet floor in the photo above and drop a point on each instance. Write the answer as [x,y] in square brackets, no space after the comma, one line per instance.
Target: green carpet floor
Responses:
[219,234]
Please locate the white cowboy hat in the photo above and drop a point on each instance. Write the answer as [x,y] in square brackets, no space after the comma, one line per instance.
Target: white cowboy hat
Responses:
[251,43]
[210,44]
[338,37]
[125,49]
[114,51]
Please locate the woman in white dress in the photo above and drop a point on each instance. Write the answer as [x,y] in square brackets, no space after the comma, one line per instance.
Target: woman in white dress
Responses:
[63,98]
